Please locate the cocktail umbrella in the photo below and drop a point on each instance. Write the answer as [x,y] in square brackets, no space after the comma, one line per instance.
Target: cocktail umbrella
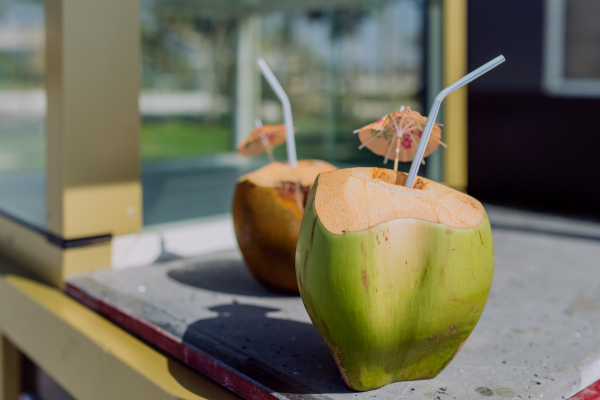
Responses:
[400,131]
[262,139]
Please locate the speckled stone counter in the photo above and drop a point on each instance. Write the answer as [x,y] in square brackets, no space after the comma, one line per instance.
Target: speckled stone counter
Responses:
[539,336]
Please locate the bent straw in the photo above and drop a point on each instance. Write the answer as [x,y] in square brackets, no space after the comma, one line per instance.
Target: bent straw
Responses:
[414,167]
[287,111]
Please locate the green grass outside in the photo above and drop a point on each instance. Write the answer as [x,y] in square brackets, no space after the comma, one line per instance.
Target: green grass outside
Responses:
[22,147]
[182,138]
[163,139]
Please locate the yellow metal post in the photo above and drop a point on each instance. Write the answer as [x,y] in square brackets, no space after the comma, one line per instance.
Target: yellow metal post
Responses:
[93,123]
[31,249]
[93,188]
[455,105]
[10,370]
[87,355]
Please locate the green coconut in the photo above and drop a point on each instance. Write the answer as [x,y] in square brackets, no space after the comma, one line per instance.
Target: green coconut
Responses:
[393,278]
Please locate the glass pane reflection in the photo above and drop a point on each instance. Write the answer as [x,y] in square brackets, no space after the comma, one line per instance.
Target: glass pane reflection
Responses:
[187,64]
[342,67]
[22,111]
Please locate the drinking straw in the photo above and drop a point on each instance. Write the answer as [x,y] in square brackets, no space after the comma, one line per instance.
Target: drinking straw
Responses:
[287,111]
[414,167]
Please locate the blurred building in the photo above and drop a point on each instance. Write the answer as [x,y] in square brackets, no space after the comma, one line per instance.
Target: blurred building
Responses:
[533,136]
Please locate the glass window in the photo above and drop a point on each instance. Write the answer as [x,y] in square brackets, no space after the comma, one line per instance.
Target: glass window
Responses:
[22,111]
[185,102]
[342,68]
[572,48]
[187,65]
[582,43]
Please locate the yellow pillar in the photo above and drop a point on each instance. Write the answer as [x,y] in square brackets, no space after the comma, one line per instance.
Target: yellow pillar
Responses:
[93,122]
[455,105]
[93,188]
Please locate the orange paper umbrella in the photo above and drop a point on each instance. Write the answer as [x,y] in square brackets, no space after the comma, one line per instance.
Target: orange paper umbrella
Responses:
[398,134]
[262,139]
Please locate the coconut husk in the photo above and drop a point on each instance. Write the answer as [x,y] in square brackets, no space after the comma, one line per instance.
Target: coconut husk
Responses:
[267,211]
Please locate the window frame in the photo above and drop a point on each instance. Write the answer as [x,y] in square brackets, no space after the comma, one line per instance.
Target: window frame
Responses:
[554,80]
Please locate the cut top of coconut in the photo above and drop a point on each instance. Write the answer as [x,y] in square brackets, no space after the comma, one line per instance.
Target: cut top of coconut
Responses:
[273,174]
[355,199]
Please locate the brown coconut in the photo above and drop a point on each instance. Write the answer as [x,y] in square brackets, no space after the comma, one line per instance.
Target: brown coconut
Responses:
[268,205]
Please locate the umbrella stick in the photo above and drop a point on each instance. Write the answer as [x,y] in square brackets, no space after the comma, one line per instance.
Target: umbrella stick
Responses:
[397,155]
[267,146]
[440,142]
[387,156]
[362,146]
[414,140]
[435,107]
[270,154]
[287,110]
[410,134]
[398,134]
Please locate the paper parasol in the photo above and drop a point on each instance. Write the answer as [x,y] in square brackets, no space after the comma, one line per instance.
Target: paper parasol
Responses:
[262,139]
[397,135]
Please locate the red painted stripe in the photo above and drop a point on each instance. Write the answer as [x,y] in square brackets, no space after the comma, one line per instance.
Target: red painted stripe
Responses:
[590,393]
[81,296]
[196,359]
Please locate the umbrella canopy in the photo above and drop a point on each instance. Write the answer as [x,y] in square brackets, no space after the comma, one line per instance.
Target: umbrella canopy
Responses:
[262,139]
[397,135]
